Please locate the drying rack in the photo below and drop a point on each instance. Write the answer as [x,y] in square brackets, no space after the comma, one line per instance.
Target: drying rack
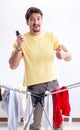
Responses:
[39,97]
[21,90]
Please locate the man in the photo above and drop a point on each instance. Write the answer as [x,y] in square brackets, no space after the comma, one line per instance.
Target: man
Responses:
[38,49]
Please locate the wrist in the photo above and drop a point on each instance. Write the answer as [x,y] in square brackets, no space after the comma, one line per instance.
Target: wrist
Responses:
[18,49]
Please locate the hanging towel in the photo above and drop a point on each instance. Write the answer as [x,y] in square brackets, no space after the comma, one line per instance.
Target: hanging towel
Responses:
[13,111]
[61,105]
[64,102]
[57,116]
[5,100]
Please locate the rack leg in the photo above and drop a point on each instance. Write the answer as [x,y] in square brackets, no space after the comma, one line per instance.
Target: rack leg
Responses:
[26,125]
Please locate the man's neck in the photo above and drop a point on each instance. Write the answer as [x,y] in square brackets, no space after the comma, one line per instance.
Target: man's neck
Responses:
[35,33]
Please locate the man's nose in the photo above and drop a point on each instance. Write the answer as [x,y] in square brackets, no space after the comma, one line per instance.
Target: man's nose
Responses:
[35,21]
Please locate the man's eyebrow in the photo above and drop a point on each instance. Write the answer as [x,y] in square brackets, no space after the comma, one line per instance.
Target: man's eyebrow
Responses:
[34,17]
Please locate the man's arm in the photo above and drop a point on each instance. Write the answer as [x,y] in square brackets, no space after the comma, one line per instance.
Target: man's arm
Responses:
[17,53]
[63,53]
[15,59]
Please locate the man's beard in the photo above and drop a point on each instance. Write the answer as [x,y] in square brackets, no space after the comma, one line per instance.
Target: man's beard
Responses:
[36,29]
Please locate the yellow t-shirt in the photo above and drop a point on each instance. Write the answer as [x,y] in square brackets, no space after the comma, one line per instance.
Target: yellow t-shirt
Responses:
[39,58]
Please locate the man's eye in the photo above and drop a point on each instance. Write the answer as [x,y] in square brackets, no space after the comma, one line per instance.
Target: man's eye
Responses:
[31,19]
[38,19]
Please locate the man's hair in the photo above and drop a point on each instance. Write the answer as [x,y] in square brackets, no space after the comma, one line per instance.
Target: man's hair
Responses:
[32,10]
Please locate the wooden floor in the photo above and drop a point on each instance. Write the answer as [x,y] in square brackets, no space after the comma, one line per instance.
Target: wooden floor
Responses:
[66,126]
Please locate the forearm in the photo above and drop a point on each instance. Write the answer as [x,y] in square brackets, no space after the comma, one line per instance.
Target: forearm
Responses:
[15,59]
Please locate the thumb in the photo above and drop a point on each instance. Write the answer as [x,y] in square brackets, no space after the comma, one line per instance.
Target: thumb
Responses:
[60,49]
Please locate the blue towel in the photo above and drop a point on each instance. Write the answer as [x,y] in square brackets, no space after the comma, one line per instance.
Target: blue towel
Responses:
[13,111]
[5,100]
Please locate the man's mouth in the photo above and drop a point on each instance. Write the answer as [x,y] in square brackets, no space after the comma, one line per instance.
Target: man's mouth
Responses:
[36,26]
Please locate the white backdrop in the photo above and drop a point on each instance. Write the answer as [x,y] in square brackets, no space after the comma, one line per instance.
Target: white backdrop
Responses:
[60,16]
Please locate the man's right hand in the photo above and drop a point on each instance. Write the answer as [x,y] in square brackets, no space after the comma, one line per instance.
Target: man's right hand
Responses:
[20,40]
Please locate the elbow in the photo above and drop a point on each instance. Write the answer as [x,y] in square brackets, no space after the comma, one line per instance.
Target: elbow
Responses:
[12,66]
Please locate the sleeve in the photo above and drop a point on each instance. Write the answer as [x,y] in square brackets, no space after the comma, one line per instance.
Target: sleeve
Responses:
[56,42]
